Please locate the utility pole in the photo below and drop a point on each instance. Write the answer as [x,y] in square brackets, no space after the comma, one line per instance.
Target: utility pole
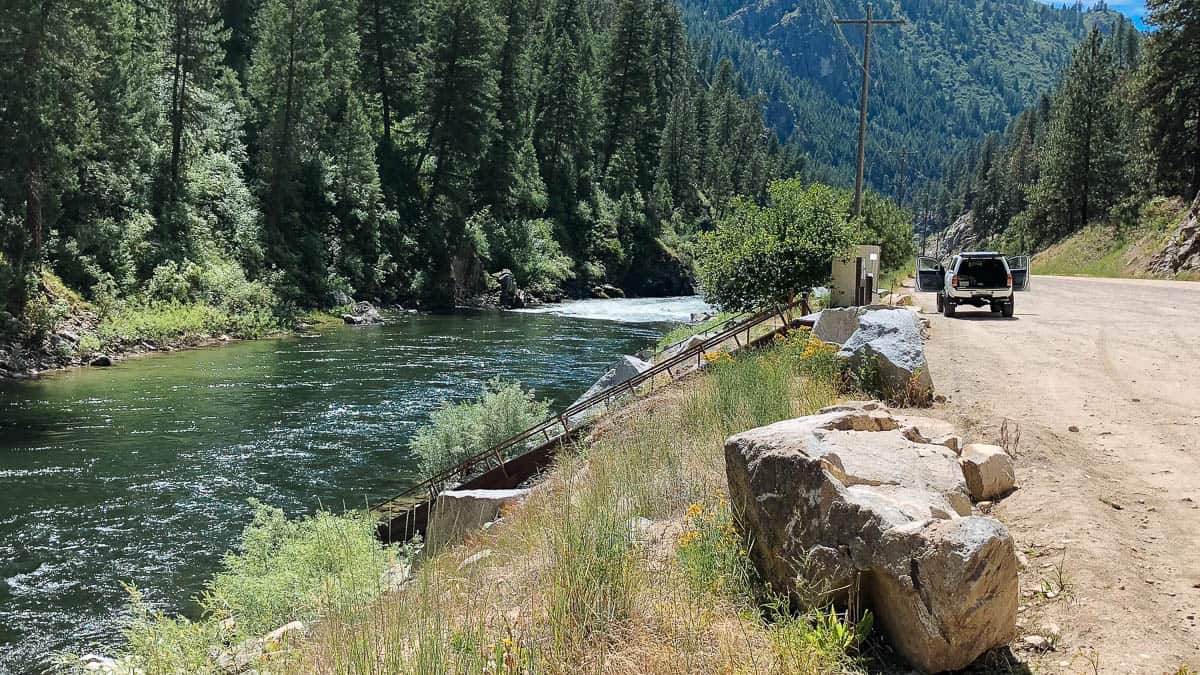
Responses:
[869,23]
[902,179]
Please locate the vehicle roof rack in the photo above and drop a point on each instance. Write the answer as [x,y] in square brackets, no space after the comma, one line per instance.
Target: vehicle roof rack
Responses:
[980,254]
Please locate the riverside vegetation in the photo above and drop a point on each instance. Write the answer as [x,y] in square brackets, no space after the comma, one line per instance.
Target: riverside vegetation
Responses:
[624,557]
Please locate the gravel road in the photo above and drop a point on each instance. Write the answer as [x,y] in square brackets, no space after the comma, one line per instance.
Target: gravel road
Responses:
[1103,378]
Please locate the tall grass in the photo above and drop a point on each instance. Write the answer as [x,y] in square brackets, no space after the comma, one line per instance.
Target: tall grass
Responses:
[624,559]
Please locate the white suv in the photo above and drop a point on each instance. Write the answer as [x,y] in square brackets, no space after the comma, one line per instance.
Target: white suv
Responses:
[981,279]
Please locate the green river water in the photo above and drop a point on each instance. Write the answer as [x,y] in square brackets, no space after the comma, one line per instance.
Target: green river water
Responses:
[141,473]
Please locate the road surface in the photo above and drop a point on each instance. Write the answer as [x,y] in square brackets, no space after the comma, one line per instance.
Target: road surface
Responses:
[1103,377]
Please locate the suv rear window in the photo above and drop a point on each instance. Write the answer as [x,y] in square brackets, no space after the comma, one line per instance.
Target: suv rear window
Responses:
[983,273]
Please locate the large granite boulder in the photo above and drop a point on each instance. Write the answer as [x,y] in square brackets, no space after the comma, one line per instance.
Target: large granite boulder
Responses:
[890,340]
[859,499]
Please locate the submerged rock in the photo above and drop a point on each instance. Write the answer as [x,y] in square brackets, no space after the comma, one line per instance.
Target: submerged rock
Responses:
[363,314]
[847,500]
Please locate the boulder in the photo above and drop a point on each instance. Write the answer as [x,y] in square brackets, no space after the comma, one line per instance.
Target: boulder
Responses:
[458,513]
[607,292]
[511,297]
[618,372]
[988,470]
[891,340]
[845,500]
[362,314]
[837,325]
[101,361]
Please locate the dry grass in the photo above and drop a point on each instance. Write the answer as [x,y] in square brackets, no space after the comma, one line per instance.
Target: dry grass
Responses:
[575,581]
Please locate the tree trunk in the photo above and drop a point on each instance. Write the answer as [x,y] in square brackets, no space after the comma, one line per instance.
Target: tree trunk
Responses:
[384,97]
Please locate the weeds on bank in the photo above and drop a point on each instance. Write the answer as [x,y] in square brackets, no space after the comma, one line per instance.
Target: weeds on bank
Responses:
[626,558]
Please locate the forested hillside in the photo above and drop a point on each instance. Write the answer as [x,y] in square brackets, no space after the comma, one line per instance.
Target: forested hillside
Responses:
[1121,128]
[955,72]
[300,152]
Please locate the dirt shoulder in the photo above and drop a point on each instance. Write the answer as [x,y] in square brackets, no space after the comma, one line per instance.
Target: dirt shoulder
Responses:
[1101,376]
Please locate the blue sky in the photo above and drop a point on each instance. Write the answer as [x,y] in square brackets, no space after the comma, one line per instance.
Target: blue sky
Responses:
[1134,9]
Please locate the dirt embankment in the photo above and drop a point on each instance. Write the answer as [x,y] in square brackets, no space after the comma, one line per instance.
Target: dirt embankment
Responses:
[1099,376]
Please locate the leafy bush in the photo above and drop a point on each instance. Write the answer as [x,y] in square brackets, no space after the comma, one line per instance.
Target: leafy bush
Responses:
[296,570]
[764,254]
[457,431]
[887,225]
[286,570]
[529,249]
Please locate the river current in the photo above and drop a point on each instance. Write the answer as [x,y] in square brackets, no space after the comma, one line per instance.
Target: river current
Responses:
[141,473]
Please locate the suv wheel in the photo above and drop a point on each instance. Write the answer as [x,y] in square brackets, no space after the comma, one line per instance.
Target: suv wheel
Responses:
[948,307]
[1007,310]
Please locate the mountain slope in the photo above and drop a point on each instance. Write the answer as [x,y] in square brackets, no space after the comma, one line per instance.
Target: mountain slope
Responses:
[957,70]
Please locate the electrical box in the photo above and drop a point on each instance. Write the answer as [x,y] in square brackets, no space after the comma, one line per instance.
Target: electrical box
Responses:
[855,277]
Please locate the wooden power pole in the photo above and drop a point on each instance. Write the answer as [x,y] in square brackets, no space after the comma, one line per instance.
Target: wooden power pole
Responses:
[869,23]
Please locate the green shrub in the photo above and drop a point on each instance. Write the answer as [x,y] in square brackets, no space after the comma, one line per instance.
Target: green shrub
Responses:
[764,254]
[286,570]
[457,431]
[297,570]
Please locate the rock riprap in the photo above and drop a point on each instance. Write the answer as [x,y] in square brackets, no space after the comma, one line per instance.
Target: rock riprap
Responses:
[849,500]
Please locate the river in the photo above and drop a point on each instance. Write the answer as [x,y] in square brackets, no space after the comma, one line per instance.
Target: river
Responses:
[141,473]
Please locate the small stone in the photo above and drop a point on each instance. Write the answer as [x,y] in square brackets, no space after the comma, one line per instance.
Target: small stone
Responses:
[988,471]
[1037,643]
[478,557]
[1073,429]
[279,633]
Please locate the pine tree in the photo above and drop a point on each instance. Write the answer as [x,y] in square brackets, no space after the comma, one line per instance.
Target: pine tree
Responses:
[676,166]
[459,92]
[193,56]
[1081,172]
[1170,93]
[390,33]
[44,122]
[628,91]
[564,115]
[499,175]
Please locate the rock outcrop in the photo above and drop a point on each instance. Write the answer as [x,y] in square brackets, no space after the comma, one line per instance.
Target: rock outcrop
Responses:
[1182,253]
[458,513]
[848,500]
[362,314]
[511,297]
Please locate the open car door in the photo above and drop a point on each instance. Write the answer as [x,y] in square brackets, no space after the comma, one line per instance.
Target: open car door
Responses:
[931,276]
[1018,266]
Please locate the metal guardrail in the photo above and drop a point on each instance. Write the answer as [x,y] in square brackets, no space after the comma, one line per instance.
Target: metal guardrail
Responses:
[574,417]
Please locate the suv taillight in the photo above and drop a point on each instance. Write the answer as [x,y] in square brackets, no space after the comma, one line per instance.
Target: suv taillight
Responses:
[954,281]
[1010,281]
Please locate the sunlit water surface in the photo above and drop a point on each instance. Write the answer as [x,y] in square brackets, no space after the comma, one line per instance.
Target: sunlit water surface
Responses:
[141,473]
